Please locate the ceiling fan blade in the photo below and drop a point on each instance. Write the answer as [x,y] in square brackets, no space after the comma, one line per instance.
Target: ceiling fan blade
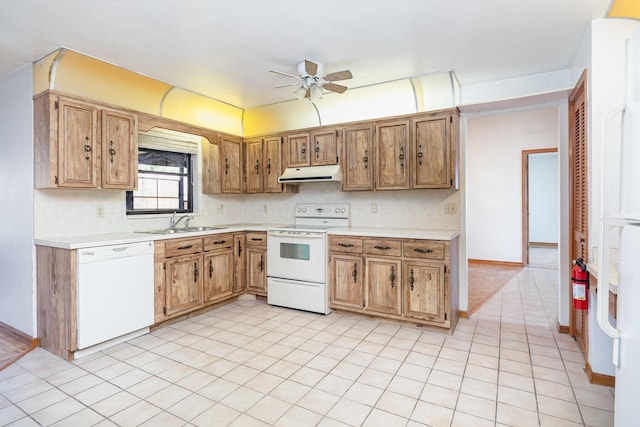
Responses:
[338,75]
[284,74]
[334,87]
[310,67]
[287,85]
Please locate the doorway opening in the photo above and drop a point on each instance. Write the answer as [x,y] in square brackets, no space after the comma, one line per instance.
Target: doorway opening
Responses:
[540,208]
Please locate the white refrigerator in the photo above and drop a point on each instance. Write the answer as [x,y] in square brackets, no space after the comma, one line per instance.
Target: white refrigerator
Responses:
[620,214]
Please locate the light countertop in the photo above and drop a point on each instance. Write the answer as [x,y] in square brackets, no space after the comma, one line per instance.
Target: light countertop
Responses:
[79,242]
[398,233]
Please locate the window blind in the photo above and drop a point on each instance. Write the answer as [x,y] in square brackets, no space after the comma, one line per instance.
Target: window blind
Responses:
[169,141]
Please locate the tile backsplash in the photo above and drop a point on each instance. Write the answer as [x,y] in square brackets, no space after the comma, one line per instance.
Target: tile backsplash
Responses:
[75,212]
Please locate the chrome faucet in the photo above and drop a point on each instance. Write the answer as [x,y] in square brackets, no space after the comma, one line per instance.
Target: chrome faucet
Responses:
[173,223]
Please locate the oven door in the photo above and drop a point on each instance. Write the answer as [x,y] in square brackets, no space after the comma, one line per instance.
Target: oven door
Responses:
[297,255]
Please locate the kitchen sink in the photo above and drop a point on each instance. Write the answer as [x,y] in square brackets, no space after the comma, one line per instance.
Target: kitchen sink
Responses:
[180,230]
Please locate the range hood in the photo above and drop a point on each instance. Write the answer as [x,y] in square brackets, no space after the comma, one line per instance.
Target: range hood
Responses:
[311,174]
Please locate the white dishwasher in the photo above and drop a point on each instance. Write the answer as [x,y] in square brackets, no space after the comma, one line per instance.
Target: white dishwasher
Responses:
[114,293]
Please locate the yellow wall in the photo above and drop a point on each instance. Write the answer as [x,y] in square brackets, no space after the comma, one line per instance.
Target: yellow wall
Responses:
[70,72]
[76,74]
[625,9]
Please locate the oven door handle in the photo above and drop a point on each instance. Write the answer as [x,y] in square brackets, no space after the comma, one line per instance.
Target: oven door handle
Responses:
[302,236]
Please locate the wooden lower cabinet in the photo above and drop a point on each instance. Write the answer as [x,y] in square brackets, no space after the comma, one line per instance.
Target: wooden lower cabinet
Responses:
[256,271]
[218,275]
[183,283]
[191,273]
[424,290]
[402,279]
[347,281]
[383,278]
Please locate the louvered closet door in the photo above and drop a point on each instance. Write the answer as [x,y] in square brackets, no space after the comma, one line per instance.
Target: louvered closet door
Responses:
[579,196]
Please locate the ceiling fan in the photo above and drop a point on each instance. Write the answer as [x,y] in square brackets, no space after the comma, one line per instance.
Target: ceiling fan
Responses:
[312,80]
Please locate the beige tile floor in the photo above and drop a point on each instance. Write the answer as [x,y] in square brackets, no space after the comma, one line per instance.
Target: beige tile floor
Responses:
[250,364]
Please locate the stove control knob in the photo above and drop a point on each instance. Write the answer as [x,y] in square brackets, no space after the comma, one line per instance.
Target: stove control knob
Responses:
[304,210]
[299,210]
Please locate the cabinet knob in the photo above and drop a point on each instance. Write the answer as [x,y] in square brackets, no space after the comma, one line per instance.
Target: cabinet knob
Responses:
[354,273]
[411,279]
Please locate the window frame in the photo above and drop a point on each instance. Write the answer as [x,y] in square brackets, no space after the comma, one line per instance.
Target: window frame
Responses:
[190,200]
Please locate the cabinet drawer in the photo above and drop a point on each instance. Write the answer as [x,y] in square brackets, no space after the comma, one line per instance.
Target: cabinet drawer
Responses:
[218,242]
[345,244]
[256,238]
[177,247]
[425,249]
[383,247]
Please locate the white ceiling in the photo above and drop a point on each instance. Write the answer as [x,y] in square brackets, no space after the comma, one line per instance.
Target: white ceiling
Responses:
[224,49]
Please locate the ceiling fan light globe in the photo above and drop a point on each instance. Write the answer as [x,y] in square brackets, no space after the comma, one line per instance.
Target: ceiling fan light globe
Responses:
[300,92]
[316,93]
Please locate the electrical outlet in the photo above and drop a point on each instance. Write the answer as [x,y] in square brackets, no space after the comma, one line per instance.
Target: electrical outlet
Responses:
[374,208]
[99,211]
[219,208]
[451,208]
[265,209]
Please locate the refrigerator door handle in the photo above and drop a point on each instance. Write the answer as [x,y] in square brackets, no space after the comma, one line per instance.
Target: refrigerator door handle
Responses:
[607,224]
[602,307]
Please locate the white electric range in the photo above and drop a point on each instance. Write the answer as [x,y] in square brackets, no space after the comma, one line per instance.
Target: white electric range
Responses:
[297,265]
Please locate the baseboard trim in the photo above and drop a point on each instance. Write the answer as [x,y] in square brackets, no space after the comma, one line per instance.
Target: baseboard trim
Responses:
[498,263]
[463,314]
[563,329]
[600,379]
[543,245]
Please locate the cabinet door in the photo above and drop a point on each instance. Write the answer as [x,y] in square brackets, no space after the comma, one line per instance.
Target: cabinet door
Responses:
[272,164]
[183,283]
[257,270]
[238,263]
[77,144]
[231,165]
[357,158]
[298,146]
[119,150]
[346,282]
[431,153]
[218,275]
[211,167]
[392,156]
[383,285]
[424,291]
[325,151]
[254,166]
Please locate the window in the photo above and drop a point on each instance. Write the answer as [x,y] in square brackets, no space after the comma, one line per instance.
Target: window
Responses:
[165,183]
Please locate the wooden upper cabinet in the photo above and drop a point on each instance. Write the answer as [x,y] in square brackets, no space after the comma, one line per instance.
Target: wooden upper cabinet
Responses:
[431,150]
[298,149]
[80,144]
[211,170]
[119,149]
[78,147]
[254,166]
[313,149]
[357,158]
[324,148]
[272,164]
[392,155]
[232,162]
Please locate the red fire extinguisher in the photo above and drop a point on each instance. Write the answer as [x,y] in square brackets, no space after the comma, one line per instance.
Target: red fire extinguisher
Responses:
[580,279]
